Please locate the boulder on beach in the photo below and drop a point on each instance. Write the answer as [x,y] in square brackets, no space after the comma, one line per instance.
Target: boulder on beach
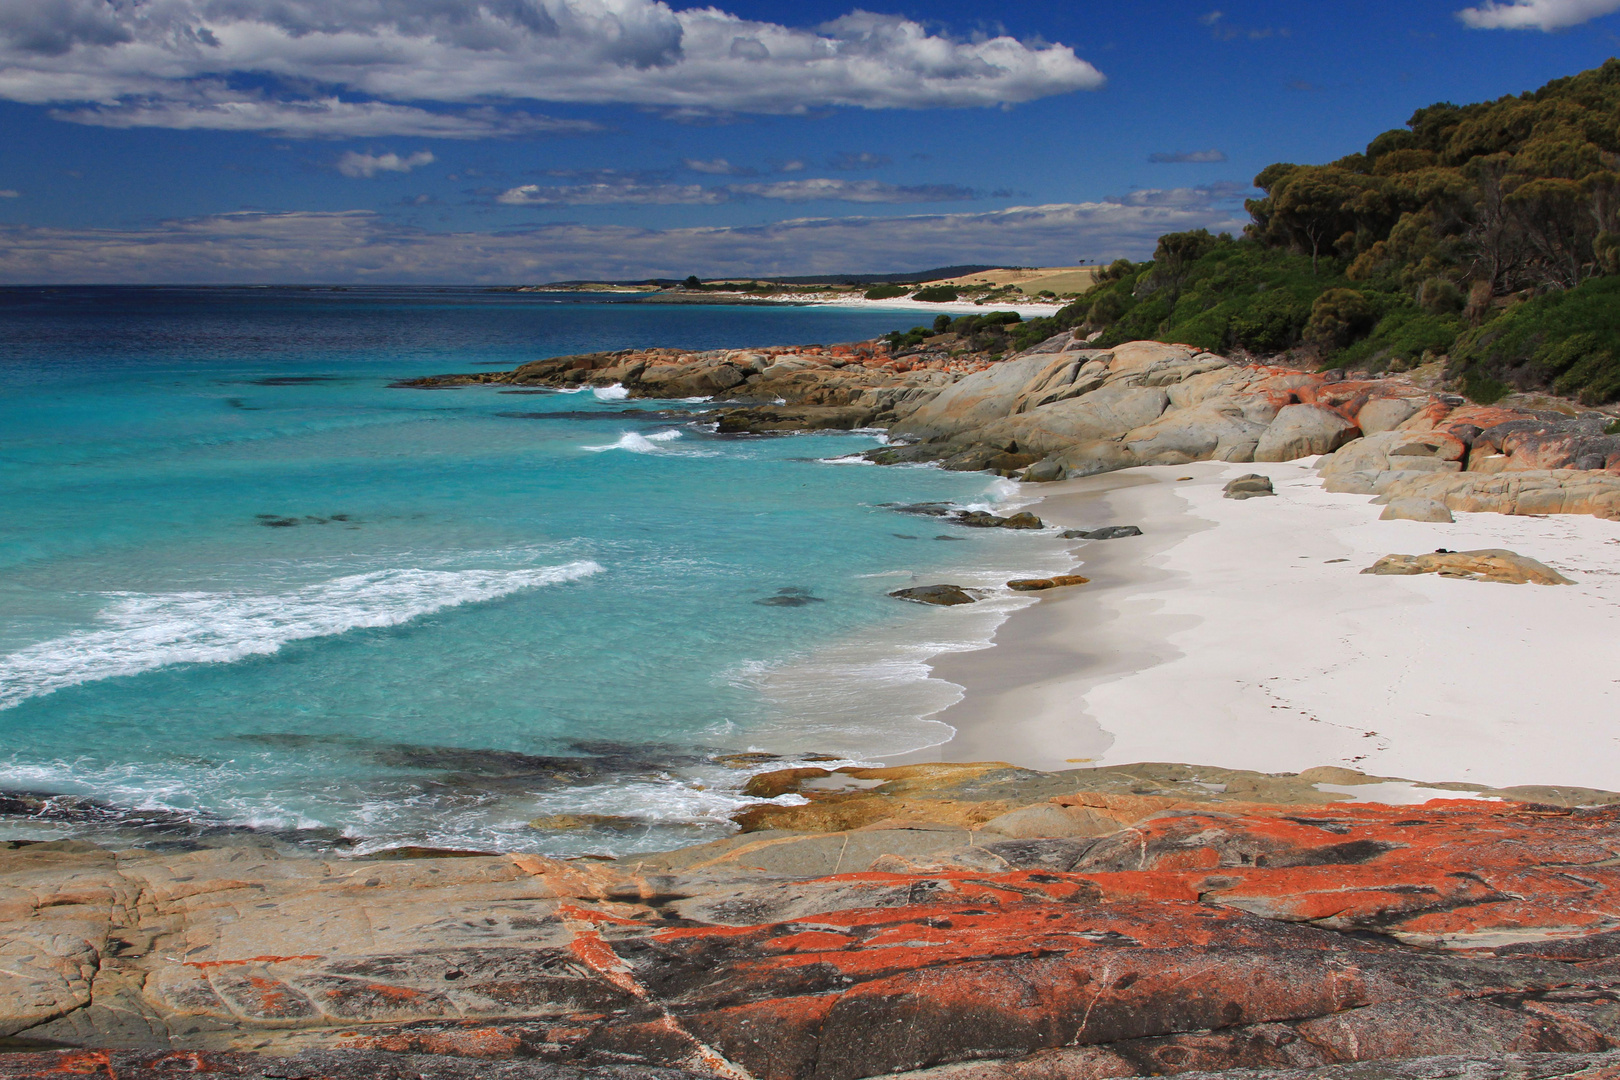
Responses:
[1303,430]
[1415,510]
[1112,532]
[1490,564]
[938,595]
[1062,581]
[1251,486]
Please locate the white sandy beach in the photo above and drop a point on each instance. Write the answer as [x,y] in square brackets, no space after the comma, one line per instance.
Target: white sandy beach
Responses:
[1026,309]
[1243,635]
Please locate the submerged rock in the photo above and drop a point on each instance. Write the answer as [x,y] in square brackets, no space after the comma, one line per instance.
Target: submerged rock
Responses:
[939,595]
[791,597]
[1252,486]
[1490,564]
[573,822]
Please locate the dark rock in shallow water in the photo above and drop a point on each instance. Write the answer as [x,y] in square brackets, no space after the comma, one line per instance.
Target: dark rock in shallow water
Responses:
[1112,532]
[902,536]
[789,600]
[1252,486]
[902,455]
[950,538]
[923,509]
[979,519]
[939,595]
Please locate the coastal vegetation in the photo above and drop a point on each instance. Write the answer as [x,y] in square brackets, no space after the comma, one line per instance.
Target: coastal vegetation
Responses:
[1486,235]
[993,333]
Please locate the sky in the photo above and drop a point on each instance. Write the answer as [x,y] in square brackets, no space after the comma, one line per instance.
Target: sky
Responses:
[525,141]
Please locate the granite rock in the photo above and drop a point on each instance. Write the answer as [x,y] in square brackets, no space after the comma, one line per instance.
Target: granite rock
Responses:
[1415,510]
[1491,564]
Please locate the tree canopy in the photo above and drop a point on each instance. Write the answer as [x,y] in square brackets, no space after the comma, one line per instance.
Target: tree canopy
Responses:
[1455,237]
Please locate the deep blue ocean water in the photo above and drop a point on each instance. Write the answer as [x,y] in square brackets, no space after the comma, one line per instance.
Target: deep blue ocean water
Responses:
[243,579]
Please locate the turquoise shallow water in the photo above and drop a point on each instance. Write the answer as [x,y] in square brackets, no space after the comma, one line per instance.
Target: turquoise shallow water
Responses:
[243,579]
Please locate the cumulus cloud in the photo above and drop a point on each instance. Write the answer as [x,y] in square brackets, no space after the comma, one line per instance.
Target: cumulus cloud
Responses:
[1535,14]
[368,165]
[180,63]
[216,109]
[1190,157]
[717,167]
[610,191]
[358,246]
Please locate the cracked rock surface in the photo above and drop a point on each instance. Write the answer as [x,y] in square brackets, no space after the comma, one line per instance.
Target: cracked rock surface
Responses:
[1086,933]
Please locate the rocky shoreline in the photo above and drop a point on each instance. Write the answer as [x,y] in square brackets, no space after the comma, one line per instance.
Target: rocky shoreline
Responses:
[940,921]
[1063,409]
[955,922]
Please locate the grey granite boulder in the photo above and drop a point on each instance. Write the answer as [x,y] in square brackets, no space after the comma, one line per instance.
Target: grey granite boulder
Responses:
[1415,510]
[1252,486]
[1302,431]
[938,595]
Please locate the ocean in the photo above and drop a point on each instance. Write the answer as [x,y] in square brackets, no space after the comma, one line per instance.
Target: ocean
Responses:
[246,586]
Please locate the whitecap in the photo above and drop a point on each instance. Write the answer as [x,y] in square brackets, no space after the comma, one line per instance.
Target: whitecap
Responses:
[637,443]
[142,632]
[616,392]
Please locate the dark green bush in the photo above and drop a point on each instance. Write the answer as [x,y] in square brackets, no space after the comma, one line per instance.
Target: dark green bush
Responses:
[1338,317]
[1568,340]
[936,294]
[886,292]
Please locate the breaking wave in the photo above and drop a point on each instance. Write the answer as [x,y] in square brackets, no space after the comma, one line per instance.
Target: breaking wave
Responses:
[142,632]
[638,444]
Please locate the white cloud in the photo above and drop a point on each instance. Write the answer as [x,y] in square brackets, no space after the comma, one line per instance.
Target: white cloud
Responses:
[171,63]
[358,246]
[717,167]
[8,193]
[612,191]
[606,194]
[1535,14]
[213,108]
[368,165]
[858,191]
[1189,157]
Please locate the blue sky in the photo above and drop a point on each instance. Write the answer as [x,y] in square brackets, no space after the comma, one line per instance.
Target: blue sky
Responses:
[532,140]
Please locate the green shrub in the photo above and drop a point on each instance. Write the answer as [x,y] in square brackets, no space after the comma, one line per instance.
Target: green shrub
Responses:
[1338,317]
[942,324]
[1484,390]
[886,292]
[936,294]
[1568,340]
[1269,323]
[1440,296]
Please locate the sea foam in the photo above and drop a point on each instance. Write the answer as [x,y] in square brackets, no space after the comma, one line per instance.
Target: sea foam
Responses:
[638,444]
[142,632]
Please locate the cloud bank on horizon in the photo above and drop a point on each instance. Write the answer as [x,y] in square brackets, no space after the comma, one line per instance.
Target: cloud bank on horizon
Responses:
[361,246]
[1546,15]
[246,65]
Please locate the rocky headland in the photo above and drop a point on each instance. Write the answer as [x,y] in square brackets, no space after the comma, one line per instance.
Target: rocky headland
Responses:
[1063,409]
[958,922]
